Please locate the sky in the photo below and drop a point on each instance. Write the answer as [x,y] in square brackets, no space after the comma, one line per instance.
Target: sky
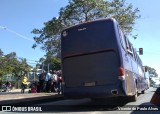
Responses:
[19,17]
[147,28]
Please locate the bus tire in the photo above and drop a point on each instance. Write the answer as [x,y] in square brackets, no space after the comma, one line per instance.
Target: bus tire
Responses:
[134,97]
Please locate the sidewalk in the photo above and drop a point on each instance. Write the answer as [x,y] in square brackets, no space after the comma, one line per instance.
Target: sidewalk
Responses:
[15,97]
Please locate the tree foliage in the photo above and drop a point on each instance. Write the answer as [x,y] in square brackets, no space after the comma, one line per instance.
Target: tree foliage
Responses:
[152,71]
[49,37]
[10,64]
[125,14]
[53,62]
[78,11]
[83,10]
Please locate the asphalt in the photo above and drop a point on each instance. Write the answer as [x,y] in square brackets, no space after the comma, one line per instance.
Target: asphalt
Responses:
[15,97]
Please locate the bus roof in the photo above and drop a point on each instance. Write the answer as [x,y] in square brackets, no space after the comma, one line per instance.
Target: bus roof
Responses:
[101,19]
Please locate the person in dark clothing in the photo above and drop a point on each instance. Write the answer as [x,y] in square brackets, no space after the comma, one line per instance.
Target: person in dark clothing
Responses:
[8,86]
[38,87]
[42,80]
[60,80]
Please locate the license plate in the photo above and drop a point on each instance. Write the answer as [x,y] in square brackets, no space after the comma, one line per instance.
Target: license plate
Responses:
[89,84]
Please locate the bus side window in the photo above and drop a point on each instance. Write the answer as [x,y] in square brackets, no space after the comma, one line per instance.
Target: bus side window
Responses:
[134,53]
[136,57]
[122,39]
[138,60]
[127,45]
[129,48]
[132,50]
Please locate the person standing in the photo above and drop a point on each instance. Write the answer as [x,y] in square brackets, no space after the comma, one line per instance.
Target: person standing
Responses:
[55,82]
[38,87]
[47,81]
[41,81]
[60,80]
[8,86]
[24,84]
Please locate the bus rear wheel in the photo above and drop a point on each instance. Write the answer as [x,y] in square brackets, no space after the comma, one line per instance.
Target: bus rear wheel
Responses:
[134,97]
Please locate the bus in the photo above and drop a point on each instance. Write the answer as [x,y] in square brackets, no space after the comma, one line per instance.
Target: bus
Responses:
[147,77]
[98,61]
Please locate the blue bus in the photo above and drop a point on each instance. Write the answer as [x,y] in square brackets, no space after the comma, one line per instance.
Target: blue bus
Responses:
[98,61]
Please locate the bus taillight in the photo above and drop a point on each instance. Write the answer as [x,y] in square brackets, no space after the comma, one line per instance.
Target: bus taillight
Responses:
[121,71]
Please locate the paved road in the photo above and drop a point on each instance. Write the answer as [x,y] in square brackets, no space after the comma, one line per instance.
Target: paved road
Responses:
[86,106]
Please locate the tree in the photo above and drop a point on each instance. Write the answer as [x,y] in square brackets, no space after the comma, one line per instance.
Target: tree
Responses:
[125,14]
[53,62]
[152,71]
[78,11]
[5,61]
[2,72]
[49,37]
[83,10]
[11,64]
[1,53]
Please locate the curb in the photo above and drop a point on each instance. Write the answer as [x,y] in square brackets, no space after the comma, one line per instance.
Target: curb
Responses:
[32,101]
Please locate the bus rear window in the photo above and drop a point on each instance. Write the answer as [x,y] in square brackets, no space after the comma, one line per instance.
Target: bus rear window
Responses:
[88,37]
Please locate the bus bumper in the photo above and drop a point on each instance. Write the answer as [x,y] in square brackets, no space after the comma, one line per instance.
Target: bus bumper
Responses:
[94,92]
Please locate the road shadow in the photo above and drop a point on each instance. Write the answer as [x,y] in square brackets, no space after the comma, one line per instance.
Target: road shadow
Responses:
[108,104]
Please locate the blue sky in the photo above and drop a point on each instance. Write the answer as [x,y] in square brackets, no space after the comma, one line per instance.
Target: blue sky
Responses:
[147,28]
[22,16]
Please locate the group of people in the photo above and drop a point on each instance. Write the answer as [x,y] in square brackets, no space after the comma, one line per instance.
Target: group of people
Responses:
[48,82]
